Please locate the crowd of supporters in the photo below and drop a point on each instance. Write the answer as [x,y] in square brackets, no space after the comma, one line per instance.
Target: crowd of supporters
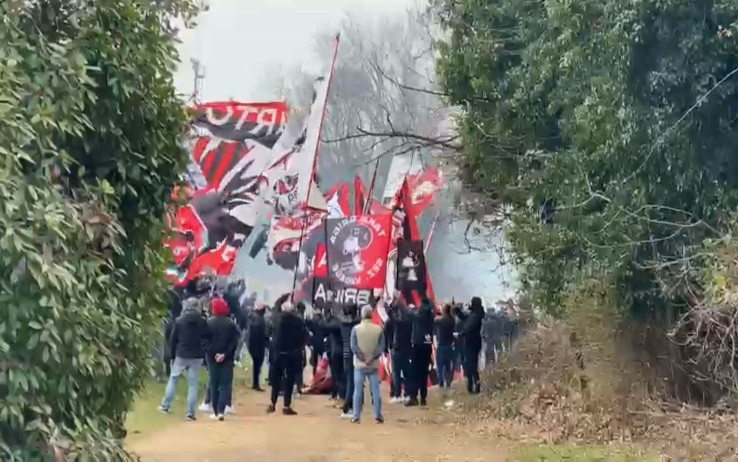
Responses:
[215,325]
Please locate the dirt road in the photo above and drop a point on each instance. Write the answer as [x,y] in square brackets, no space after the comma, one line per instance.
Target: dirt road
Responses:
[318,435]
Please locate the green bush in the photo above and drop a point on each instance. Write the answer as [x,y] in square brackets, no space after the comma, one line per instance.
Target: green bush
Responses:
[90,146]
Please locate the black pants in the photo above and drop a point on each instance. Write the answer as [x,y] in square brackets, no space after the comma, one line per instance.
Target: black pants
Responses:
[471,368]
[257,358]
[283,374]
[221,383]
[209,390]
[337,375]
[348,372]
[300,376]
[420,357]
[315,354]
[401,373]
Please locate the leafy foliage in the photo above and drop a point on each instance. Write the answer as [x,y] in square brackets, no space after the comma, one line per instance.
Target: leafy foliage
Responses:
[90,132]
[610,127]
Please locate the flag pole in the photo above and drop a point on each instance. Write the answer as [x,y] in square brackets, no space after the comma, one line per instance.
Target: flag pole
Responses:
[368,198]
[430,233]
[315,163]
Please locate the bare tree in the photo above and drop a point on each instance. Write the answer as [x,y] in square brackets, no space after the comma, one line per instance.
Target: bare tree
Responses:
[374,110]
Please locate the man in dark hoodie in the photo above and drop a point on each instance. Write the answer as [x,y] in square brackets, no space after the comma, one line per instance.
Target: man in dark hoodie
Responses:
[300,376]
[399,336]
[287,343]
[270,326]
[317,338]
[421,352]
[350,319]
[221,356]
[190,334]
[471,334]
[331,326]
[257,344]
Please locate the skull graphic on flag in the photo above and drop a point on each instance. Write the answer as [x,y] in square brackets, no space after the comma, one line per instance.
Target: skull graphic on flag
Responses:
[357,250]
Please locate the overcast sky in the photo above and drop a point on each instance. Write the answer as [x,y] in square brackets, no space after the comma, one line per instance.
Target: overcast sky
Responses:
[240,42]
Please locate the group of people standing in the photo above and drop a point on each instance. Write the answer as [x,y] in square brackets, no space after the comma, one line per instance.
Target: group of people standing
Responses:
[210,326]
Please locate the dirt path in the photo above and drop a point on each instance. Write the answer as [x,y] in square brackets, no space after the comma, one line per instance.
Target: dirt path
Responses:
[318,435]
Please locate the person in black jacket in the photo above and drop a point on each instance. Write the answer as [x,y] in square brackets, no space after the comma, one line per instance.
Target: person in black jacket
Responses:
[237,312]
[257,344]
[287,343]
[421,352]
[400,328]
[221,356]
[388,330]
[273,315]
[176,295]
[471,334]
[350,319]
[331,326]
[317,339]
[458,340]
[445,328]
[190,334]
[300,376]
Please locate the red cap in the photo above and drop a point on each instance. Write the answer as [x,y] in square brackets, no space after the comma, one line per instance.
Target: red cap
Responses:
[218,307]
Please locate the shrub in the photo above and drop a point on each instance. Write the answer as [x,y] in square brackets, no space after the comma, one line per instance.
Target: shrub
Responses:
[90,131]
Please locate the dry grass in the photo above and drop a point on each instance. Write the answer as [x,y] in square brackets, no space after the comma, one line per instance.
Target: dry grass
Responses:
[563,388]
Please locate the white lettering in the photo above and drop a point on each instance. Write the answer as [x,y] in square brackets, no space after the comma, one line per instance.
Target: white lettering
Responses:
[213,118]
[347,296]
[266,118]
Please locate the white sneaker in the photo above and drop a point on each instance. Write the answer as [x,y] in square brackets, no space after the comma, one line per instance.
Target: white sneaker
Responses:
[346,415]
[395,400]
[405,399]
[205,408]
[230,410]
[213,417]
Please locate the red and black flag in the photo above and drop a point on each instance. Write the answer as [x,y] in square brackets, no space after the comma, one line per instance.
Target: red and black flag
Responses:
[356,250]
[322,293]
[241,121]
[230,146]
[408,232]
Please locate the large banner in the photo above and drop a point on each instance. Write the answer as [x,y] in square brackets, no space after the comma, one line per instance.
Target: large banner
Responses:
[230,152]
[356,250]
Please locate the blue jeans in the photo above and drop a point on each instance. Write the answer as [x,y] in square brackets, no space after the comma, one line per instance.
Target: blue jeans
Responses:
[444,365]
[400,372]
[221,383]
[182,366]
[359,376]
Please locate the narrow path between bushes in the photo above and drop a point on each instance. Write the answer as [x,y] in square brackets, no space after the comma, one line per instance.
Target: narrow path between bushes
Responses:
[318,435]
